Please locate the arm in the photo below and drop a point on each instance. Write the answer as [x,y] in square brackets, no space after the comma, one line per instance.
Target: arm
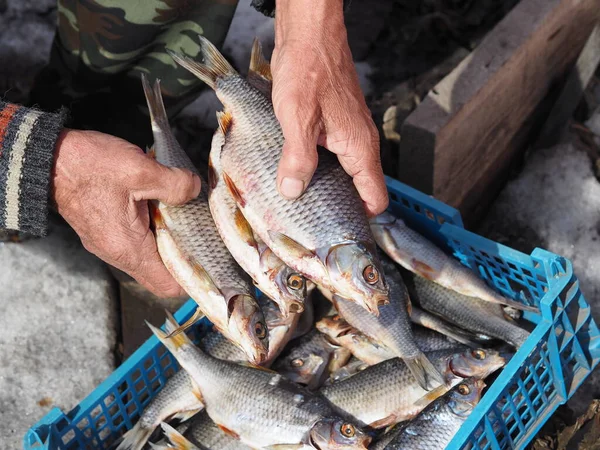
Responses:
[317,99]
[99,183]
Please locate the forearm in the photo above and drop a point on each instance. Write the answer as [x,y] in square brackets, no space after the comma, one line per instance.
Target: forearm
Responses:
[268,7]
[27,142]
[308,19]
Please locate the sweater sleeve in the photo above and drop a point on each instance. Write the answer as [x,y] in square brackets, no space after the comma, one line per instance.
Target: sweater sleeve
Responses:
[27,140]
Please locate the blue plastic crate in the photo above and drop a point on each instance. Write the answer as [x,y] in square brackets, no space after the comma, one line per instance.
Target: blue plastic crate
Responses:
[560,353]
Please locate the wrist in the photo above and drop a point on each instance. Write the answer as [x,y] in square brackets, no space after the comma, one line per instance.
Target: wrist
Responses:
[309,21]
[65,153]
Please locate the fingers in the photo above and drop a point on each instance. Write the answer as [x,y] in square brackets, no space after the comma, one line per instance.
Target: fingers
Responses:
[151,271]
[358,151]
[299,123]
[170,185]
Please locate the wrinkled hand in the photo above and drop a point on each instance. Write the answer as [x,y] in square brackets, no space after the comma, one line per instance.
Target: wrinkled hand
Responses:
[318,100]
[101,185]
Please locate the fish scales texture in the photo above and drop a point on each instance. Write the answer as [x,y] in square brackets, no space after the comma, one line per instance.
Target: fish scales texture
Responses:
[382,389]
[249,401]
[467,312]
[205,434]
[317,219]
[218,346]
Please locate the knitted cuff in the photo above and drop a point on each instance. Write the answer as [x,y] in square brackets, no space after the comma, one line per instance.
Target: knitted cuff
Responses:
[27,141]
[267,7]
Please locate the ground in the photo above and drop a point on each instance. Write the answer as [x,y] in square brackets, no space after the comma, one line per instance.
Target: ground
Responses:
[59,303]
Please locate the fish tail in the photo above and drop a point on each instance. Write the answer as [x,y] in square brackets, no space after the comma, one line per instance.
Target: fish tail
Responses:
[215,65]
[516,335]
[177,440]
[158,114]
[172,342]
[136,438]
[424,372]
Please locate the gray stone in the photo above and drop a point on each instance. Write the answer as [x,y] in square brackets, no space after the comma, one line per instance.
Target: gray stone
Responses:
[555,203]
[59,316]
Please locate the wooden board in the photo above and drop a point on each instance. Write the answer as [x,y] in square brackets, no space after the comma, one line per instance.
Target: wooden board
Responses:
[459,142]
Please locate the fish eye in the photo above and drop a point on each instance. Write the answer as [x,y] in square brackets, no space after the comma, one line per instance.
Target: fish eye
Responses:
[371,274]
[463,389]
[478,354]
[295,281]
[261,330]
[336,318]
[297,362]
[347,430]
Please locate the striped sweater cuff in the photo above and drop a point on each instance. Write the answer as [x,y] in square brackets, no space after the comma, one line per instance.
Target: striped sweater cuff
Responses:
[27,141]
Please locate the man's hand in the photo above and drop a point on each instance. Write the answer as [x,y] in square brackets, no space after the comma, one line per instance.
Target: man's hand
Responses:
[101,185]
[317,99]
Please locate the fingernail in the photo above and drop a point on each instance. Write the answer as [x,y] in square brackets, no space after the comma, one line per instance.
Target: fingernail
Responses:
[291,188]
[197,185]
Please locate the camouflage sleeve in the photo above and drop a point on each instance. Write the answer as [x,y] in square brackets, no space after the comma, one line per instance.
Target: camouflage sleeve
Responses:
[27,141]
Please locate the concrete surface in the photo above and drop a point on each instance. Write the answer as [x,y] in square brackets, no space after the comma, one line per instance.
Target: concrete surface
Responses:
[555,204]
[59,319]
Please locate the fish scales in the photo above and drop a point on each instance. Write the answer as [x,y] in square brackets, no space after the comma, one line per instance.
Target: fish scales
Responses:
[205,434]
[470,313]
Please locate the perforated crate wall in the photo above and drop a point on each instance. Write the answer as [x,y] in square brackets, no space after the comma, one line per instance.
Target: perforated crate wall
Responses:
[559,354]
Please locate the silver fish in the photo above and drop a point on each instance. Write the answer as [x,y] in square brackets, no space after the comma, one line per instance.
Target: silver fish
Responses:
[419,255]
[279,282]
[351,368]
[392,327]
[310,359]
[437,424]
[324,234]
[467,312]
[193,252]
[176,440]
[261,407]
[386,393]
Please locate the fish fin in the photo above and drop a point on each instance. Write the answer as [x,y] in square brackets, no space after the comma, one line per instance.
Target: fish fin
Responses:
[291,246]
[183,416]
[157,217]
[154,446]
[151,152]
[233,190]
[244,229]
[228,432]
[213,178]
[424,372]
[197,393]
[198,315]
[254,366]
[388,421]
[214,65]
[202,274]
[258,62]
[432,395]
[177,440]
[435,323]
[136,438]
[225,120]
[156,107]
[424,269]
[172,342]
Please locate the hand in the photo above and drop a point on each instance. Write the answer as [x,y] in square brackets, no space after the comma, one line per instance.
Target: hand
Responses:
[317,99]
[101,185]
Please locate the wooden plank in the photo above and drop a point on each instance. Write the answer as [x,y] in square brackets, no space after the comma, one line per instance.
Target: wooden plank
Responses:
[460,141]
[571,94]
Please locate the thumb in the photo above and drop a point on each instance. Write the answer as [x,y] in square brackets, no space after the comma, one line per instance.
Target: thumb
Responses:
[170,185]
[298,158]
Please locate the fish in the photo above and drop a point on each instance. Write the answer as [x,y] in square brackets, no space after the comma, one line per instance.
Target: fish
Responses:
[176,440]
[271,275]
[435,323]
[436,425]
[205,434]
[193,252]
[387,393]
[259,407]
[416,253]
[310,359]
[282,327]
[323,235]
[470,313]
[392,327]
[353,366]
[178,399]
[369,351]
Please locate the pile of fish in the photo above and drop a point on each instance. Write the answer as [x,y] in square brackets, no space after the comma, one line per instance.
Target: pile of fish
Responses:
[366,334]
